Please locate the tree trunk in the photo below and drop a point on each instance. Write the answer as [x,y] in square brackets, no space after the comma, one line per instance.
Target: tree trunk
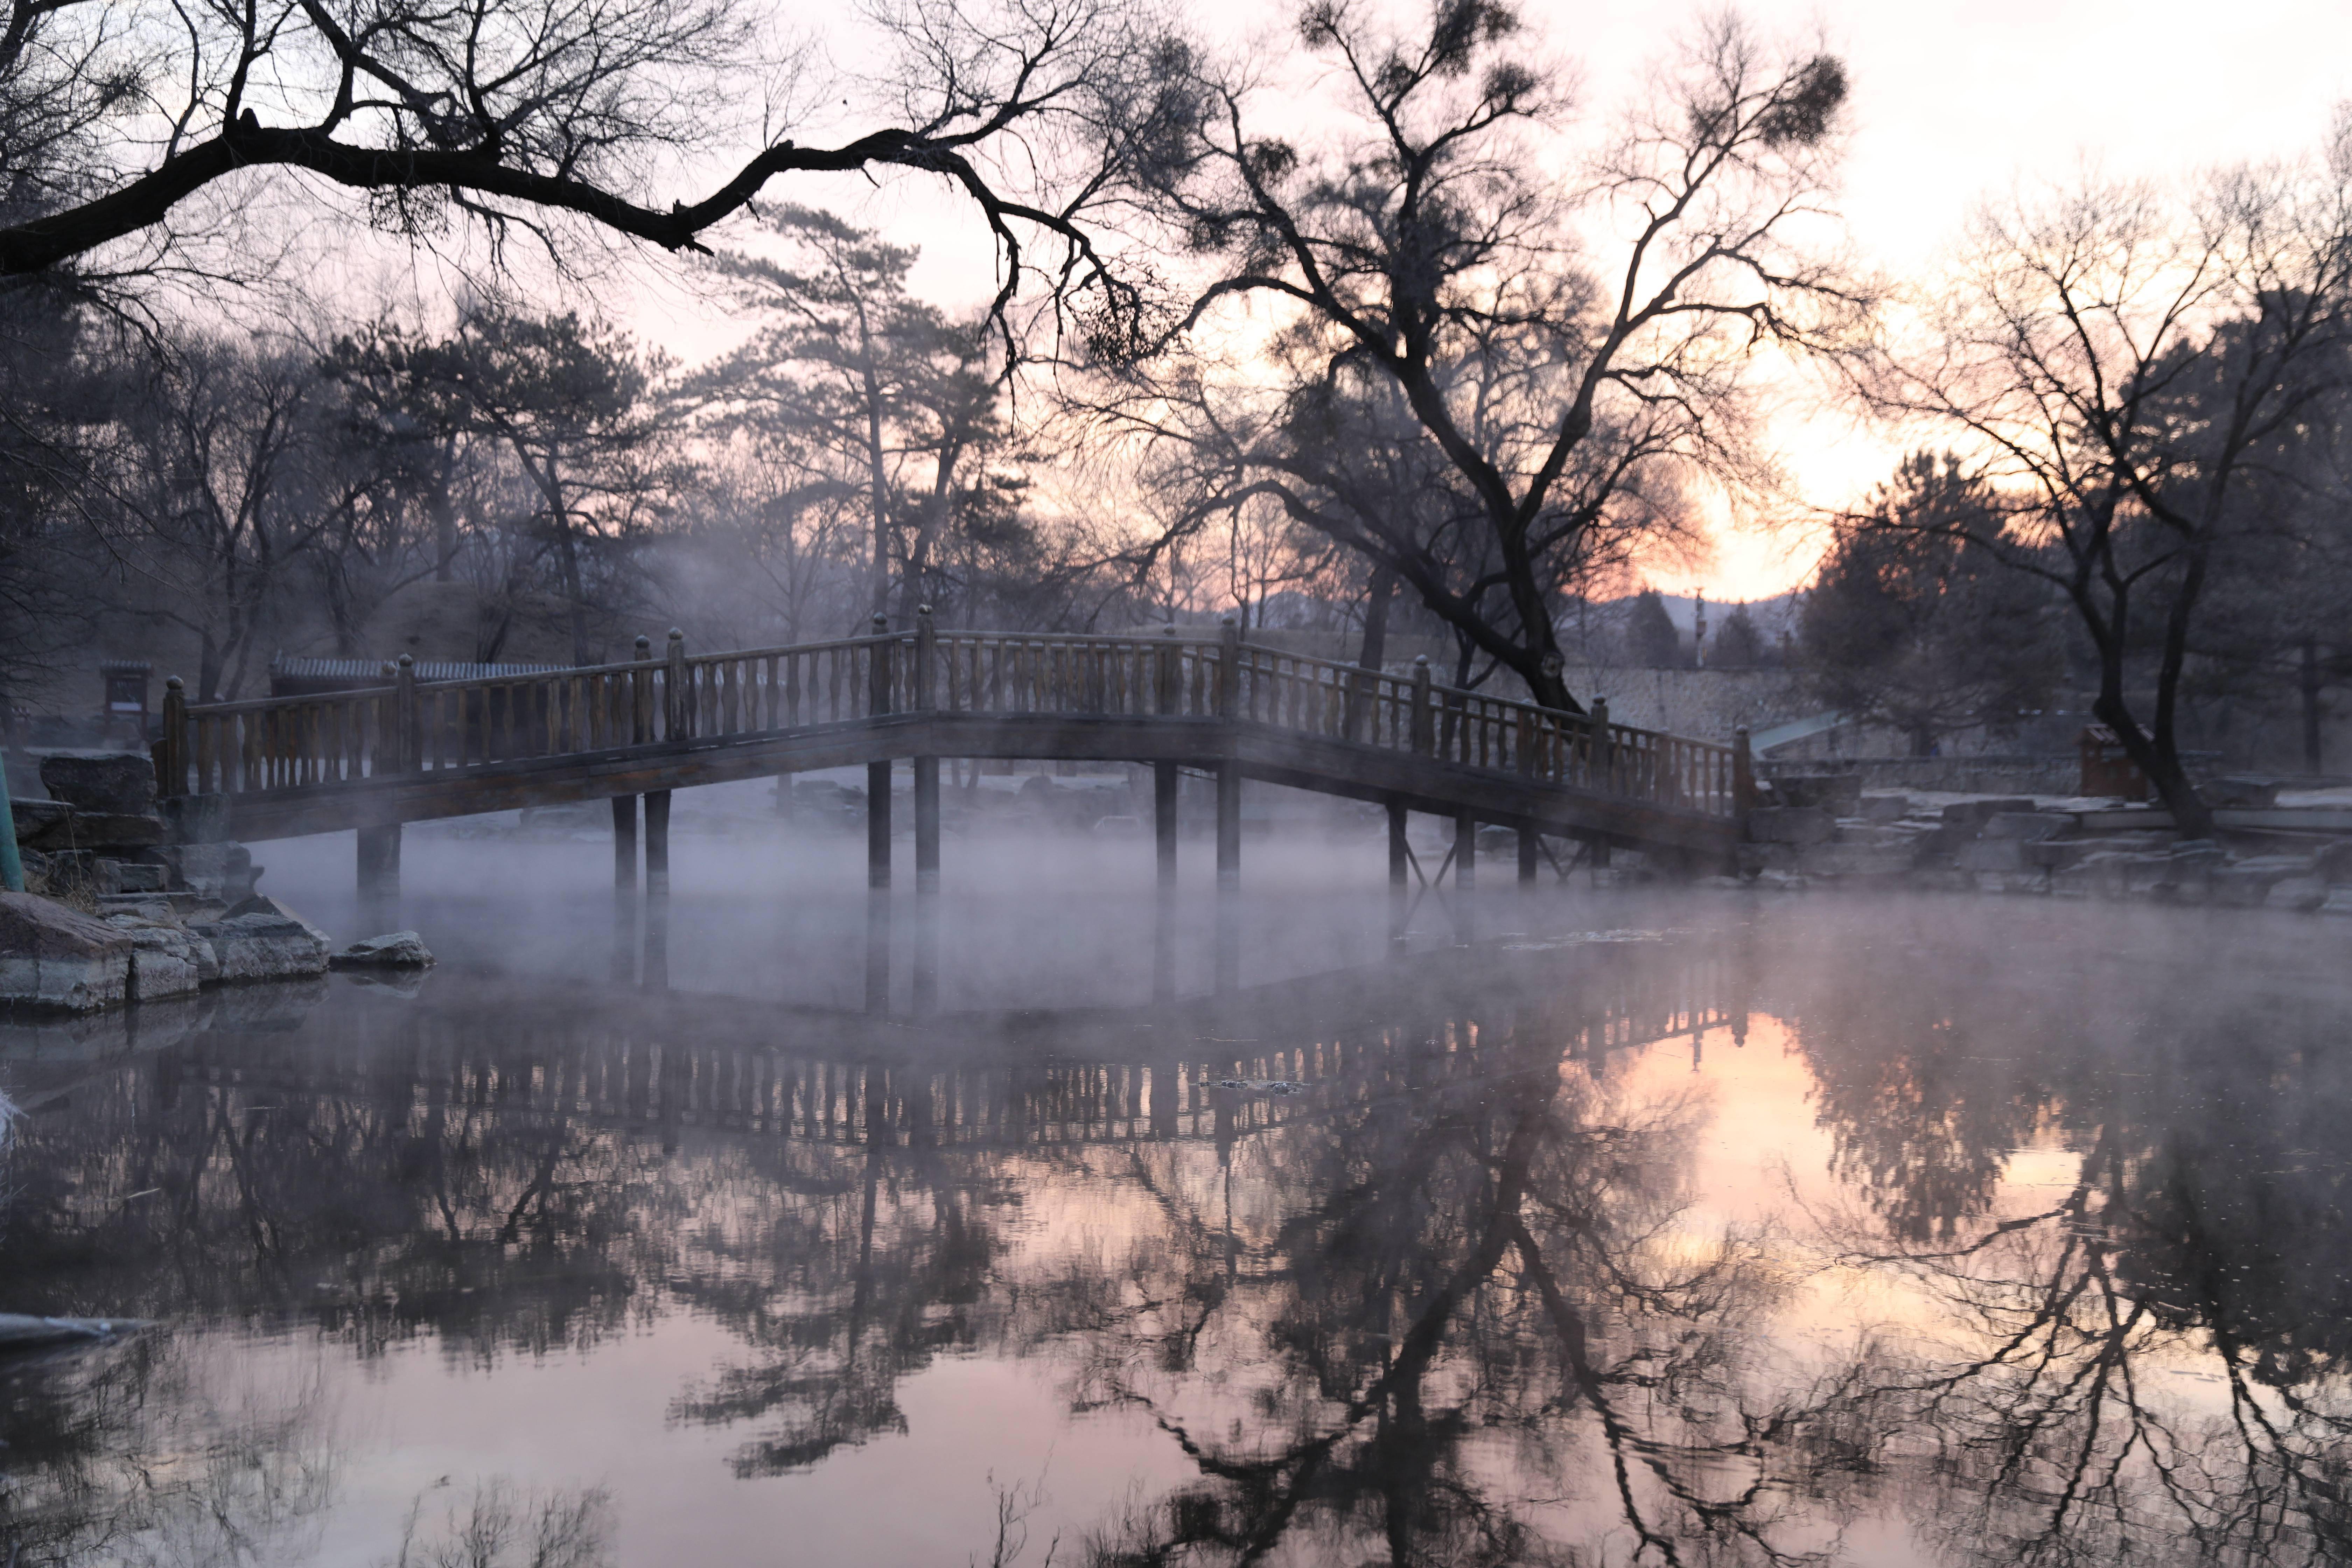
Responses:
[878,486]
[2191,817]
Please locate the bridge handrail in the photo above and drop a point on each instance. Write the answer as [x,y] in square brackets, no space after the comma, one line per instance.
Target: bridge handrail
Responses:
[412,726]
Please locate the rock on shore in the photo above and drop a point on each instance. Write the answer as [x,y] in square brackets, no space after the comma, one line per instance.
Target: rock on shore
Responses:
[52,957]
[261,939]
[399,950]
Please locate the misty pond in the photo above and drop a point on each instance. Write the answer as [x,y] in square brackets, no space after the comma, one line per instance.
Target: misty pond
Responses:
[1688,1229]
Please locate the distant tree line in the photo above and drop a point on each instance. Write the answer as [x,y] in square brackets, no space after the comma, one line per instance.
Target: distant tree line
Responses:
[518,471]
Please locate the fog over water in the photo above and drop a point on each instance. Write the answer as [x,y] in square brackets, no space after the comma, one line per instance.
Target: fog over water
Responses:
[1657,1225]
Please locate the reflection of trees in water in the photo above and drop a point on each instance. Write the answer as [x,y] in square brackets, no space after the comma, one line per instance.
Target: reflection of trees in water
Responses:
[1462,1326]
[151,1455]
[843,1288]
[1458,1313]
[2150,1366]
[495,1524]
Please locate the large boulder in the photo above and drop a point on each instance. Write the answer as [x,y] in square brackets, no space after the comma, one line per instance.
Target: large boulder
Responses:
[263,904]
[261,939]
[63,827]
[222,870]
[167,958]
[53,958]
[107,784]
[400,950]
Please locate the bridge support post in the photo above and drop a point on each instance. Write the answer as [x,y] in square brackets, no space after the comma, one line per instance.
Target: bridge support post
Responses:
[1604,775]
[379,863]
[1530,857]
[1743,778]
[1399,869]
[625,844]
[927,825]
[1466,876]
[1166,780]
[657,843]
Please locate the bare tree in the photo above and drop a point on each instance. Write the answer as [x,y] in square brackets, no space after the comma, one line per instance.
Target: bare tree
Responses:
[529,118]
[221,486]
[2128,364]
[1562,351]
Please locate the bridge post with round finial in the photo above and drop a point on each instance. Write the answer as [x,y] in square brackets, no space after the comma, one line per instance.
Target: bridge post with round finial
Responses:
[1424,719]
[171,751]
[677,721]
[1229,669]
[407,722]
[1168,681]
[927,653]
[1605,771]
[641,694]
[1743,777]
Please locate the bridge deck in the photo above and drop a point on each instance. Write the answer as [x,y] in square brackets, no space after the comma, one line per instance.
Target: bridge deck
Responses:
[409,751]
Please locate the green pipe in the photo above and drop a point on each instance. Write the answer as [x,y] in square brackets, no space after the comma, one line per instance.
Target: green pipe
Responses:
[12,865]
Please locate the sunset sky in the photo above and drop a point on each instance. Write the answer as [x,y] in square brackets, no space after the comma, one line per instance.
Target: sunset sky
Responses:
[1952,102]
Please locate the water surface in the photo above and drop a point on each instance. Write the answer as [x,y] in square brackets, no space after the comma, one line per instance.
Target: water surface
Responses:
[1683,1230]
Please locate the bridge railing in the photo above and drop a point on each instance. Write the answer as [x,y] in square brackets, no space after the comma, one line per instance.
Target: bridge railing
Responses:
[1412,713]
[407,726]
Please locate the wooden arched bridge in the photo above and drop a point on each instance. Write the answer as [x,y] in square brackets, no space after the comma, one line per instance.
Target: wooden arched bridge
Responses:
[410,750]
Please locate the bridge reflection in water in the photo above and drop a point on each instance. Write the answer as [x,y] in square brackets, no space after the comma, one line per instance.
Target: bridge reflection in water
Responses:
[1315,1049]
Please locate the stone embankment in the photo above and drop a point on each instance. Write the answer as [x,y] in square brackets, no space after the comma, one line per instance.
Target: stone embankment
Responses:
[1824,832]
[118,910]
